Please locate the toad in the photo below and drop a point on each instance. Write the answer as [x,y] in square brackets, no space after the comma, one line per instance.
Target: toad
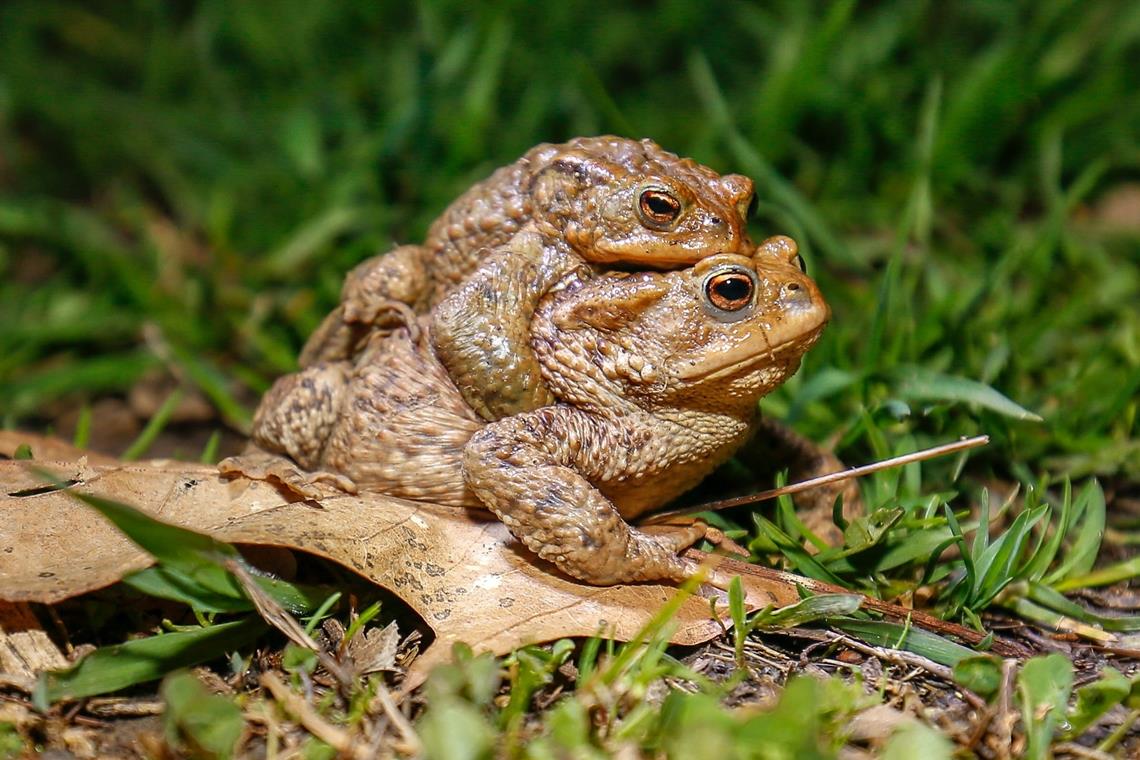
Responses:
[607,201]
[655,378]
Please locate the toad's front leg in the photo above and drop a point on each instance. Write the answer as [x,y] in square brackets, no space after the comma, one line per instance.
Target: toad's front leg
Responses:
[481,331]
[532,470]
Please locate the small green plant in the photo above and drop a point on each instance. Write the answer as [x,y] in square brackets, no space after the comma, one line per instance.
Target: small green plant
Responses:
[1047,547]
[1044,549]
[613,707]
[208,725]
[12,745]
[1050,709]
[807,721]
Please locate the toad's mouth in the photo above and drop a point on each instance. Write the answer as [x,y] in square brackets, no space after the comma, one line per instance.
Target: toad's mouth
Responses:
[773,347]
[637,259]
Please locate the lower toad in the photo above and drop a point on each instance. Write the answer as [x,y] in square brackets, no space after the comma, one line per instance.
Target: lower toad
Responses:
[656,377]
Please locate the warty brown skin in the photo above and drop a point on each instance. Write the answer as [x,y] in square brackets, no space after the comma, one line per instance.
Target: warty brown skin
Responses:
[655,385]
[603,201]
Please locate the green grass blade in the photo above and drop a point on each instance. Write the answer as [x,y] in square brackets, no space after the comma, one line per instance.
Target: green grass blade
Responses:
[116,667]
[216,388]
[168,583]
[737,614]
[1082,554]
[894,636]
[796,554]
[921,384]
[982,534]
[999,564]
[311,238]
[886,296]
[809,610]
[108,373]
[1041,560]
[153,427]
[1058,602]
[193,564]
[82,428]
[1105,576]
[961,591]
[897,549]
[195,556]
[209,453]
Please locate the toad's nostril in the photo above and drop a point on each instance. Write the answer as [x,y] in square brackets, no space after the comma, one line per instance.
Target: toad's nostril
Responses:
[796,295]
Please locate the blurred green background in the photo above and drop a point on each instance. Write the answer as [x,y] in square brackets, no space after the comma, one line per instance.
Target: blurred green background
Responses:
[184,184]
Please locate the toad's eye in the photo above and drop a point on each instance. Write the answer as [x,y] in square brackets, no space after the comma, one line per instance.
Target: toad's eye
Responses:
[658,207]
[730,291]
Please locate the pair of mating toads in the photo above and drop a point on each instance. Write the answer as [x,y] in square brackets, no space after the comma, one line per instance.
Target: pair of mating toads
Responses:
[519,360]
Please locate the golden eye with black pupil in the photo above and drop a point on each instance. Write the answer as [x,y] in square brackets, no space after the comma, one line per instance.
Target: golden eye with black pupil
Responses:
[729,291]
[658,207]
[802,264]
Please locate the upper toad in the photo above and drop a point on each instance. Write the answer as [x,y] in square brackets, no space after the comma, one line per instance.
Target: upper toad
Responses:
[607,201]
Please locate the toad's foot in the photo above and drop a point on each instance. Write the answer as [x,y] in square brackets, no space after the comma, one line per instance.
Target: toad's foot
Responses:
[379,293]
[612,552]
[339,338]
[257,464]
[393,315]
[300,411]
[399,275]
[715,536]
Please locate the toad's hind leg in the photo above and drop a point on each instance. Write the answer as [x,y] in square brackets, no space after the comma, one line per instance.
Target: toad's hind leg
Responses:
[371,297]
[290,428]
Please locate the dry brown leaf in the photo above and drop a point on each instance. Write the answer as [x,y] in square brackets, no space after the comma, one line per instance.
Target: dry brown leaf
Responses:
[48,449]
[461,571]
[374,649]
[877,724]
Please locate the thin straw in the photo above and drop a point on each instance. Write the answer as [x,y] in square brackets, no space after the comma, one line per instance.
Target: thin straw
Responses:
[804,485]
